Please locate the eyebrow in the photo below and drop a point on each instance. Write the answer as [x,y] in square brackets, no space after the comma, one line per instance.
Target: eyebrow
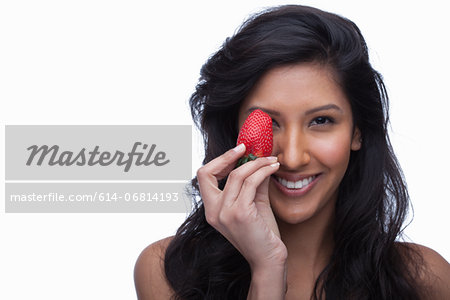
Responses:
[324,107]
[308,112]
[266,110]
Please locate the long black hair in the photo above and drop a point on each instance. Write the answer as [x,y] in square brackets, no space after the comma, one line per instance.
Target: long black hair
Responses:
[373,201]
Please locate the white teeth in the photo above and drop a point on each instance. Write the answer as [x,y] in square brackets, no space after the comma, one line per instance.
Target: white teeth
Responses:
[299,184]
[295,185]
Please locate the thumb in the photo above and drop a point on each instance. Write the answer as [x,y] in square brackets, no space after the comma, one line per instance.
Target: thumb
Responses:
[262,203]
[262,192]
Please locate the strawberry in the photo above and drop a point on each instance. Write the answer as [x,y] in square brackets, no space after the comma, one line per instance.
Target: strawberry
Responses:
[257,136]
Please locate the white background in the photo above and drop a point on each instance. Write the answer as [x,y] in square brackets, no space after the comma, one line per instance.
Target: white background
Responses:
[137,62]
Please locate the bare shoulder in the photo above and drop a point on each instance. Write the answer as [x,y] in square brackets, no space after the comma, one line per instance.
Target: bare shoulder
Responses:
[435,274]
[149,278]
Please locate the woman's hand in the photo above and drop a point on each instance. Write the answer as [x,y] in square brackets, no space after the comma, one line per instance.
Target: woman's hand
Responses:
[242,212]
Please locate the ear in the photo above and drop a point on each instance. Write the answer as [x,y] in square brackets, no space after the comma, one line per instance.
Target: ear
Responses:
[356,140]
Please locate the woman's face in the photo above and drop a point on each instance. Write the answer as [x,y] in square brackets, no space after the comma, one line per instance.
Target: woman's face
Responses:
[312,134]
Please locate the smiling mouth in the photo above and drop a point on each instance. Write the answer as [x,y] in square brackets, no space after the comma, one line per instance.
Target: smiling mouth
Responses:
[295,185]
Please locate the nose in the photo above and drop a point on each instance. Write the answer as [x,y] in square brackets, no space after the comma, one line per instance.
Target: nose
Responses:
[292,149]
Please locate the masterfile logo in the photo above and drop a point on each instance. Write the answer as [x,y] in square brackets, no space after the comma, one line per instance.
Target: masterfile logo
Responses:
[68,158]
[98,168]
[98,152]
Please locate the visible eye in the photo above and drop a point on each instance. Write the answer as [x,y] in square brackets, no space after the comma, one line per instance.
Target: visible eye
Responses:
[322,120]
[275,123]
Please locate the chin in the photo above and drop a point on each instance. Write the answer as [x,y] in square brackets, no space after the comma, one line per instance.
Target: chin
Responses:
[295,213]
[292,216]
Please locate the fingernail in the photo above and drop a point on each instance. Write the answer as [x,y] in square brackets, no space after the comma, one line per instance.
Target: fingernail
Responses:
[272,158]
[239,148]
[275,164]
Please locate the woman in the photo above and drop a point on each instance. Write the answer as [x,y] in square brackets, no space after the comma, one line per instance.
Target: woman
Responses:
[253,235]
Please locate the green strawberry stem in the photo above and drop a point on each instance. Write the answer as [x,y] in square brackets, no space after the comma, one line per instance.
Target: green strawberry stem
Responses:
[245,159]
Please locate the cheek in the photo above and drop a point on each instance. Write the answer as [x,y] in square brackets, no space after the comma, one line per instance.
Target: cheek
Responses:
[332,151]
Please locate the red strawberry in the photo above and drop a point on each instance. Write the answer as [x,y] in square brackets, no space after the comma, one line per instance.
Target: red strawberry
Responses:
[257,136]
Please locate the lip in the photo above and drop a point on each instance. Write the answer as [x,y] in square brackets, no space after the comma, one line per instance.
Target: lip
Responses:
[294,192]
[294,177]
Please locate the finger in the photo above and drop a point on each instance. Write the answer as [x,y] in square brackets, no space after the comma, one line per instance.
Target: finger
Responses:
[263,188]
[262,203]
[217,169]
[252,184]
[222,165]
[237,176]
[248,177]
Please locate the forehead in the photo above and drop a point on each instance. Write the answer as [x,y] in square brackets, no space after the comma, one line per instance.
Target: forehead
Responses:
[296,88]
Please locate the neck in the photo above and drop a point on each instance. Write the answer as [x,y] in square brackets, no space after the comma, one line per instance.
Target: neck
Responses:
[310,243]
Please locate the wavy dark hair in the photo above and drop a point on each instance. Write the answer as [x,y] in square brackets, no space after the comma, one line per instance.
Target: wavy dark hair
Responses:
[372,205]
